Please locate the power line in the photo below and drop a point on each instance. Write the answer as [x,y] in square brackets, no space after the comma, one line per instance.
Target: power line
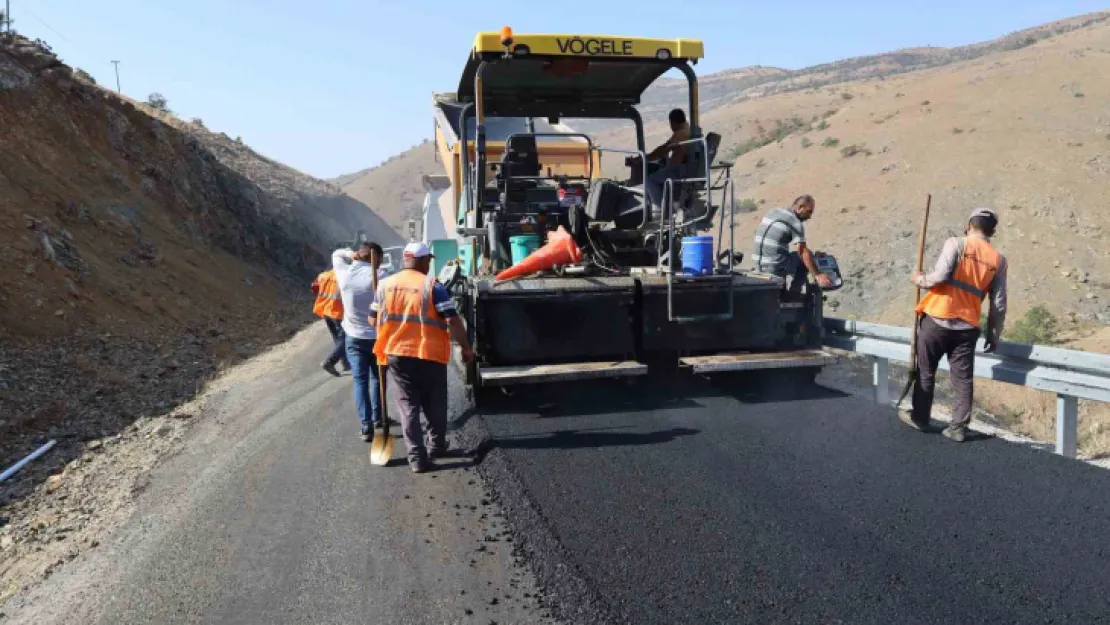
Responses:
[60,35]
[43,22]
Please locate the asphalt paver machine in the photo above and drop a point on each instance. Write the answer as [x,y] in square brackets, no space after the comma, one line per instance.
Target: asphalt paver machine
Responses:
[632,303]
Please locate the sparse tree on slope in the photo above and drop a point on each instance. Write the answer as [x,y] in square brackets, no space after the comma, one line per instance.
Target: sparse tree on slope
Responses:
[159,101]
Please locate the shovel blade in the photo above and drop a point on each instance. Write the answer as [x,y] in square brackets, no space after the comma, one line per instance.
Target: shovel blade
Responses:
[381,449]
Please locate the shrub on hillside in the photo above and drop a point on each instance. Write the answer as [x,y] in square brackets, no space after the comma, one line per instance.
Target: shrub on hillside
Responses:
[830,142]
[849,151]
[761,163]
[846,96]
[84,76]
[158,101]
[747,205]
[1038,327]
[783,129]
[806,142]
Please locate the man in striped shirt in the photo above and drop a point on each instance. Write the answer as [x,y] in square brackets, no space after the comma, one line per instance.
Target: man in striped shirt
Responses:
[781,228]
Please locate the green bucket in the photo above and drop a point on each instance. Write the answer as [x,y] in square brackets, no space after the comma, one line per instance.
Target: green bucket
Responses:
[522,245]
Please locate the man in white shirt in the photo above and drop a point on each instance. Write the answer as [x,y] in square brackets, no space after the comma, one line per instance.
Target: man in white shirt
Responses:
[358,273]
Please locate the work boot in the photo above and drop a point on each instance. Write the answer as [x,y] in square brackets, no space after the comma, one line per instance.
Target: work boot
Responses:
[434,450]
[330,368]
[955,433]
[422,466]
[345,367]
[905,416]
[367,435]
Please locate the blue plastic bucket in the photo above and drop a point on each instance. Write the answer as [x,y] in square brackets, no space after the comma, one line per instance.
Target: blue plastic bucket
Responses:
[522,245]
[697,255]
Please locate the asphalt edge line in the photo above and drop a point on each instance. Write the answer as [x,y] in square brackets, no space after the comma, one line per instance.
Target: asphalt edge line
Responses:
[564,588]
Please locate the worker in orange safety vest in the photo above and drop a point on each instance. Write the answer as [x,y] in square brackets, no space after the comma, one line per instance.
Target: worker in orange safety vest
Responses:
[329,306]
[968,270]
[416,321]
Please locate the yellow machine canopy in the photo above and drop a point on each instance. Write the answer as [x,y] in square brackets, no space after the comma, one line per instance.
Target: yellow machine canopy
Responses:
[568,75]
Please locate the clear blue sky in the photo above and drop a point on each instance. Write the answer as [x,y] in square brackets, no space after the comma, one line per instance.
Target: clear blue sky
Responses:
[334,86]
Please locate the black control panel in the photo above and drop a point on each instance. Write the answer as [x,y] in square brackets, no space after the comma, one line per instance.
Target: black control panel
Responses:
[826,264]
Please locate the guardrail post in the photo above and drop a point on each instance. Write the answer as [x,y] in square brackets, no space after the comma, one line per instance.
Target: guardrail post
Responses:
[881,379]
[1067,425]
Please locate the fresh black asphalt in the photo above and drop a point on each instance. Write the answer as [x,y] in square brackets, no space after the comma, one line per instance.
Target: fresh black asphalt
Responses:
[750,502]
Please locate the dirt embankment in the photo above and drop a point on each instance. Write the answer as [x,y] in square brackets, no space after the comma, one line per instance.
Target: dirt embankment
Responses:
[139,256]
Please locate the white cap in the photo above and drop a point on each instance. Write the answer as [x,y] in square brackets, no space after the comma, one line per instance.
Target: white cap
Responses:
[416,249]
[982,212]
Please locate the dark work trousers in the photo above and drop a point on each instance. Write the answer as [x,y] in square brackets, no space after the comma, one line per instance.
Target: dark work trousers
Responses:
[934,341]
[420,386]
[339,354]
[796,273]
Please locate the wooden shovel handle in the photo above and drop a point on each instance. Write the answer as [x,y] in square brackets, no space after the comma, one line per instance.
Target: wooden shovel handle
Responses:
[383,403]
[917,298]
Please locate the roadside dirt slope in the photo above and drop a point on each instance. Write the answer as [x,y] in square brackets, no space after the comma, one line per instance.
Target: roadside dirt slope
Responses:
[139,255]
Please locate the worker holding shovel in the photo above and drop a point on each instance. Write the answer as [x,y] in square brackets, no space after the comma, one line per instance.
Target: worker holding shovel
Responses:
[416,320]
[967,271]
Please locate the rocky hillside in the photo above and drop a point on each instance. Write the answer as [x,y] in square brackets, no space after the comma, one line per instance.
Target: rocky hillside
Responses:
[138,255]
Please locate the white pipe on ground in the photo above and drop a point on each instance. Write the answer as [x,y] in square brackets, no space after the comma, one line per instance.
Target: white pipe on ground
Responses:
[10,471]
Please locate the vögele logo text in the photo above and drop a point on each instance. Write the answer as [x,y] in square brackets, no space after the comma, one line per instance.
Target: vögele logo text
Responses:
[595,47]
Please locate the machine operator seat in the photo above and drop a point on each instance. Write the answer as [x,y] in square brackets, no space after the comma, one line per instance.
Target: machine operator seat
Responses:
[685,193]
[520,159]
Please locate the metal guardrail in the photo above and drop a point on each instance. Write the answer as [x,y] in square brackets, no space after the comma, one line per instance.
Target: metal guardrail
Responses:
[1071,375]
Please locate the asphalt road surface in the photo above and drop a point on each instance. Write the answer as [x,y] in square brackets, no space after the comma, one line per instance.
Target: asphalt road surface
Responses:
[724,502]
[741,503]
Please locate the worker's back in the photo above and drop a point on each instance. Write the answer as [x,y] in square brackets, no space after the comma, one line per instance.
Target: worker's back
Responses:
[329,302]
[409,324]
[356,289]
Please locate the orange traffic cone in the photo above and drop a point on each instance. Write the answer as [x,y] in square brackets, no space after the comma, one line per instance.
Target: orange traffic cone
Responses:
[560,250]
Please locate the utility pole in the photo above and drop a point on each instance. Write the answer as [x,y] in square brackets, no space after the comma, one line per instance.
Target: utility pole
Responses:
[8,15]
[118,90]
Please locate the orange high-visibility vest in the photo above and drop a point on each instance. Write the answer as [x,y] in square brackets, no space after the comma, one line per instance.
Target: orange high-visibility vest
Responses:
[962,294]
[408,323]
[328,301]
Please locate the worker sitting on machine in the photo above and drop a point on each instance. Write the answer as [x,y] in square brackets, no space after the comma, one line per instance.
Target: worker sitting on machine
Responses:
[781,228]
[670,154]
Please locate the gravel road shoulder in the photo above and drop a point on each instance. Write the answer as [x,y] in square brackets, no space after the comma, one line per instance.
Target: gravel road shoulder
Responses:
[156,502]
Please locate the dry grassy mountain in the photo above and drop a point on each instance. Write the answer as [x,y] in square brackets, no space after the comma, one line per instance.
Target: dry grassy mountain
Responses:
[1019,123]
[393,189]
